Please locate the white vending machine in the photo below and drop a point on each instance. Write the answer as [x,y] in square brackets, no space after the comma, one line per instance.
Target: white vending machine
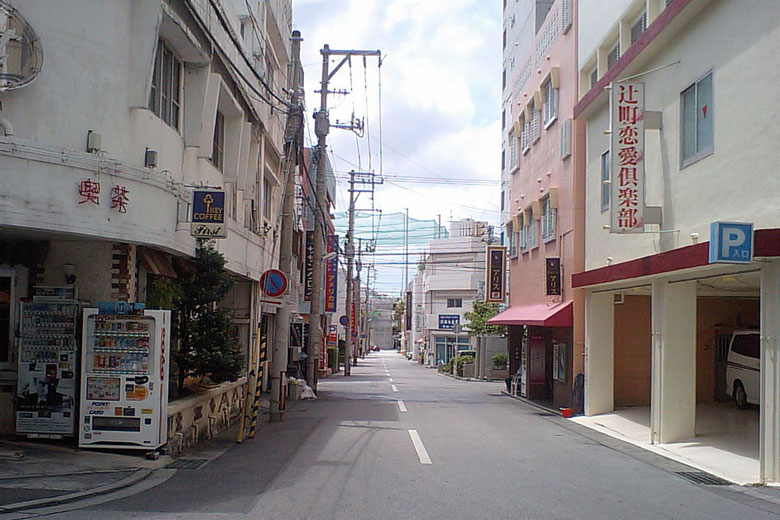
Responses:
[124,378]
[47,390]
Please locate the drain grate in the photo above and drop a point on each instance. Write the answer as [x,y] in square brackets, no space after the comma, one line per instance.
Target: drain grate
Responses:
[187,464]
[700,477]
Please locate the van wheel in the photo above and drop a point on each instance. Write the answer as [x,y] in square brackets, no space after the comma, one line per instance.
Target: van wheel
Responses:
[740,396]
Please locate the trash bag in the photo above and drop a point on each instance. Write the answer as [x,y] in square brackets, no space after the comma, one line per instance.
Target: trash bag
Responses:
[307,392]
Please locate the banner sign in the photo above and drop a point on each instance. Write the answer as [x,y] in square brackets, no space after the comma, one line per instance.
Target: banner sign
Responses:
[448,321]
[208,214]
[495,282]
[308,269]
[627,152]
[332,275]
[552,275]
[353,321]
[408,310]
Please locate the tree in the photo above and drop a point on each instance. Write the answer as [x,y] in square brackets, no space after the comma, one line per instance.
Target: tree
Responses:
[478,317]
[208,342]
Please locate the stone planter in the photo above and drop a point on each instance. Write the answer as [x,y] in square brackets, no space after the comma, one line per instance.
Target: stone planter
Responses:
[468,370]
[499,373]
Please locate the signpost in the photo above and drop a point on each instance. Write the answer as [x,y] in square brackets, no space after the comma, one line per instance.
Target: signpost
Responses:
[273,283]
[208,214]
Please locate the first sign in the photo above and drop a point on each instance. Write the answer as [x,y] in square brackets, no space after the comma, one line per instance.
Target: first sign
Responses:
[208,214]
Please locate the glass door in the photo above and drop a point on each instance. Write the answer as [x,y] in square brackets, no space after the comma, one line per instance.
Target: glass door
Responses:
[7,297]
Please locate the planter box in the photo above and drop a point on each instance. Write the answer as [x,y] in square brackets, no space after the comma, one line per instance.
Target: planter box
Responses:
[499,373]
[468,370]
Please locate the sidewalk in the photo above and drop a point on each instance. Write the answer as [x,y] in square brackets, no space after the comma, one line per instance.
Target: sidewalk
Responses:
[37,474]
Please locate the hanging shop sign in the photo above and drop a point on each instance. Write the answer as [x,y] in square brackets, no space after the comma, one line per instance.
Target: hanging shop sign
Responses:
[332,275]
[552,275]
[448,321]
[308,268]
[495,281]
[208,214]
[627,152]
[731,243]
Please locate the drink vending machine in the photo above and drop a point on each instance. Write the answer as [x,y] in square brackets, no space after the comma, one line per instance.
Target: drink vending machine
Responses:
[124,390]
[47,389]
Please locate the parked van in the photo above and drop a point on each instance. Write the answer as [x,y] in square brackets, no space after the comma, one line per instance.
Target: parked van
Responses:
[743,368]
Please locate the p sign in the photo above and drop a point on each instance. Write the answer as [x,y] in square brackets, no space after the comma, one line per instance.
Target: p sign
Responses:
[731,243]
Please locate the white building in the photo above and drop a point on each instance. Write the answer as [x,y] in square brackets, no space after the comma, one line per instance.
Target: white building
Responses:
[452,277]
[658,311]
[135,105]
[380,320]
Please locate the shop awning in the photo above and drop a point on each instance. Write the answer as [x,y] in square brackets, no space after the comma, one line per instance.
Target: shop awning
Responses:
[156,262]
[540,315]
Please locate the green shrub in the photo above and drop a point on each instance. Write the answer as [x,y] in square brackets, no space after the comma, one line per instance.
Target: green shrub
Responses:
[499,361]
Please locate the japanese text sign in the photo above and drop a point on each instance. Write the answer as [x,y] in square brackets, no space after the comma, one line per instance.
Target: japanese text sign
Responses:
[552,274]
[495,282]
[628,158]
[208,214]
[731,243]
[308,267]
[448,321]
[332,275]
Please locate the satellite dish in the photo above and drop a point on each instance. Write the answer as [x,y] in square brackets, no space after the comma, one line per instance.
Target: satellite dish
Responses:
[21,55]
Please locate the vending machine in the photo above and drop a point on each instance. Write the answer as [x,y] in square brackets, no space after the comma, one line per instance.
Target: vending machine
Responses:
[124,378]
[47,388]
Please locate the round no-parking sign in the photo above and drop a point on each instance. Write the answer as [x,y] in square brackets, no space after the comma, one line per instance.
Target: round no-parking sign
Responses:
[344,320]
[273,283]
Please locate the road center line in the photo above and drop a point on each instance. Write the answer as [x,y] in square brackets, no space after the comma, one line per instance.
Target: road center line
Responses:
[391,379]
[422,453]
[401,405]
[395,388]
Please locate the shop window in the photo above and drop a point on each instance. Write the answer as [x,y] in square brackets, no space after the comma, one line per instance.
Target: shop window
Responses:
[165,95]
[605,181]
[559,361]
[697,127]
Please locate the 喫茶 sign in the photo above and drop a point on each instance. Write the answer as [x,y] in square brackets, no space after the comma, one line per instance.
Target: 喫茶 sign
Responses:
[208,214]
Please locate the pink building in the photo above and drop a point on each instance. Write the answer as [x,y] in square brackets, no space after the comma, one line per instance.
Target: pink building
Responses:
[544,232]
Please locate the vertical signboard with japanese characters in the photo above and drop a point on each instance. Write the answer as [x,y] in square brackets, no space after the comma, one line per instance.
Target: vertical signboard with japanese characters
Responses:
[408,310]
[495,283]
[208,214]
[628,158]
[332,275]
[552,275]
[308,267]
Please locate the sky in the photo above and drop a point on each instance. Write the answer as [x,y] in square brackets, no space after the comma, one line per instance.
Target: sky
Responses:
[435,138]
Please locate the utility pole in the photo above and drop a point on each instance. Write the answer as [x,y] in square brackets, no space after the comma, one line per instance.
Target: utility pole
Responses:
[282,319]
[350,251]
[321,129]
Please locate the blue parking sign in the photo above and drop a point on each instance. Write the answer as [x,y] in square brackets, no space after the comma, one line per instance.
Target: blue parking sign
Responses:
[731,243]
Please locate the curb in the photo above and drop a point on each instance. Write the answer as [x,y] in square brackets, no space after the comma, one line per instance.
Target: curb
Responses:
[532,403]
[136,477]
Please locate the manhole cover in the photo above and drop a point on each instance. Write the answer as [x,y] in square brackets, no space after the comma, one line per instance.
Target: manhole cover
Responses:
[700,477]
[187,464]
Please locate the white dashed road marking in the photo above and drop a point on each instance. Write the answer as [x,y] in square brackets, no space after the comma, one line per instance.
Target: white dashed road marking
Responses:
[401,405]
[422,453]
[395,388]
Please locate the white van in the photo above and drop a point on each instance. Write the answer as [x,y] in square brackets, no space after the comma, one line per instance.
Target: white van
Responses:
[743,368]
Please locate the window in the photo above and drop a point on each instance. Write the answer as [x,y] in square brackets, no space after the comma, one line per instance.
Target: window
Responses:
[696,132]
[504,45]
[550,105]
[503,159]
[639,27]
[566,139]
[454,302]
[534,129]
[503,79]
[523,243]
[267,198]
[524,144]
[559,361]
[512,234]
[165,96]
[613,55]
[512,150]
[503,196]
[503,119]
[747,345]
[531,234]
[605,181]
[218,146]
[594,77]
[548,220]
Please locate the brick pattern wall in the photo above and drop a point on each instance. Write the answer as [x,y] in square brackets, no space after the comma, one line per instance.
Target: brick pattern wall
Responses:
[124,279]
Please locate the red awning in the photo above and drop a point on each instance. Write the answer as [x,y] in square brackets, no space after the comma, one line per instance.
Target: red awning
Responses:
[540,315]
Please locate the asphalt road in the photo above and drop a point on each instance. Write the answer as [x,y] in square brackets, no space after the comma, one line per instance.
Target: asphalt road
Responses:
[396,440]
